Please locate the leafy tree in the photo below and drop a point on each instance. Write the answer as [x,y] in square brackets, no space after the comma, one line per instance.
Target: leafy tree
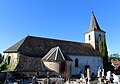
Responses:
[114,57]
[104,52]
[1,58]
[3,63]
[103,47]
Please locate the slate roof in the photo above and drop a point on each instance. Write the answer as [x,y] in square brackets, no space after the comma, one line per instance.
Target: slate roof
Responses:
[94,24]
[38,46]
[56,54]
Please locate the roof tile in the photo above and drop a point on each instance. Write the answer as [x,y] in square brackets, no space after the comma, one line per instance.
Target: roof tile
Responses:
[38,46]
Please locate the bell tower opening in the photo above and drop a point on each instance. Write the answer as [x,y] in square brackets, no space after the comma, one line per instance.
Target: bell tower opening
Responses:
[89,37]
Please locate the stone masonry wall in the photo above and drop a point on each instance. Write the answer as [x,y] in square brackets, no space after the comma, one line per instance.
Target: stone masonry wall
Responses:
[29,64]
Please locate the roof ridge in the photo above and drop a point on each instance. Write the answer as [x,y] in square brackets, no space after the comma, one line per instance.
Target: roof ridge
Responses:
[57,39]
[61,54]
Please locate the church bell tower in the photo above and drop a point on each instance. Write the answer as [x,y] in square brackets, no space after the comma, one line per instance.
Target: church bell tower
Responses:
[94,32]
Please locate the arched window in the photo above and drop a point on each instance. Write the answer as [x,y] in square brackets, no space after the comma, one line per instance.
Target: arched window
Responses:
[89,37]
[76,62]
[9,58]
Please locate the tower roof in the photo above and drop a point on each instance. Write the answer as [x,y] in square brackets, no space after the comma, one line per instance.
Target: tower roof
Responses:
[94,24]
[56,54]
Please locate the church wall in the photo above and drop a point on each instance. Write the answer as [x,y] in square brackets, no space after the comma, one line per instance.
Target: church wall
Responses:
[93,38]
[12,60]
[12,55]
[101,33]
[87,37]
[90,39]
[24,64]
[33,64]
[52,65]
[98,33]
[55,66]
[69,69]
[29,64]
[93,61]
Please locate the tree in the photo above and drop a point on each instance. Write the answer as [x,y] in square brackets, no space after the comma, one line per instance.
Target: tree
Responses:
[3,63]
[104,52]
[1,58]
[115,57]
[103,47]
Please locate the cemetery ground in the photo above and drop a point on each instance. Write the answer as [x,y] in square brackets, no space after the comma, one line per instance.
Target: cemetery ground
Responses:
[110,78]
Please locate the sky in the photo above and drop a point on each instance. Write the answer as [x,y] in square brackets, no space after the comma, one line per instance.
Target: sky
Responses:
[58,19]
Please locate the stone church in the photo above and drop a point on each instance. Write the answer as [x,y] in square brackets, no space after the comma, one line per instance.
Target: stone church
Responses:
[37,55]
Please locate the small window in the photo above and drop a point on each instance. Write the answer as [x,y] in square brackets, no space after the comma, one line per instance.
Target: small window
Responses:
[89,37]
[100,35]
[9,58]
[76,62]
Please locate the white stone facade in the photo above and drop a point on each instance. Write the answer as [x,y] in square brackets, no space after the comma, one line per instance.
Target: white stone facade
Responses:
[93,61]
[12,60]
[93,37]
